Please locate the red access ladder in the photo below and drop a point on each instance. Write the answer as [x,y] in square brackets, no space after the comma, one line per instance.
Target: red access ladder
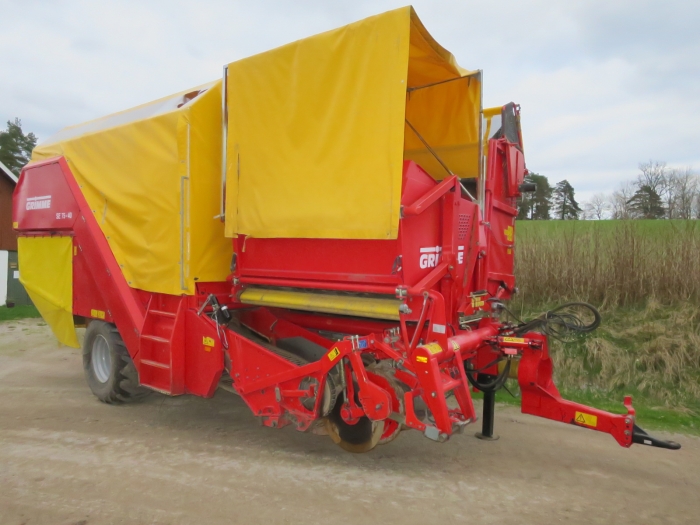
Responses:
[161,357]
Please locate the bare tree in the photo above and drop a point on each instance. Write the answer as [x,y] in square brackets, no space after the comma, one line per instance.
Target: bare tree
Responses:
[653,174]
[620,201]
[682,191]
[597,207]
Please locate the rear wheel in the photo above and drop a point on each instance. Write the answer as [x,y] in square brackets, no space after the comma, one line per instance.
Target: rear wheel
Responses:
[109,370]
[362,436]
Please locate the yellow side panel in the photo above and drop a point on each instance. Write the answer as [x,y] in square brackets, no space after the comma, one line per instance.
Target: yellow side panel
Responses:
[315,134]
[447,117]
[153,185]
[445,111]
[46,271]
[207,252]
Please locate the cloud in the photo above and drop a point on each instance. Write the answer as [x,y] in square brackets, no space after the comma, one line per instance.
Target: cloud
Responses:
[603,85]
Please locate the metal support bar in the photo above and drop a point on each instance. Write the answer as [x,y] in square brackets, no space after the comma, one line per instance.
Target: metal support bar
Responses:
[489,411]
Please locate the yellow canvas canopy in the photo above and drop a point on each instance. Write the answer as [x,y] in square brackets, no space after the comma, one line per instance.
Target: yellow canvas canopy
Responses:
[317,130]
[152,176]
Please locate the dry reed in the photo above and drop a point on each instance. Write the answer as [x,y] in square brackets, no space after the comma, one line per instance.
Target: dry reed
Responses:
[617,263]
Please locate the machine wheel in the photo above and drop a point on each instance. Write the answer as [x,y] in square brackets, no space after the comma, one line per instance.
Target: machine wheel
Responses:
[109,370]
[363,436]
[386,380]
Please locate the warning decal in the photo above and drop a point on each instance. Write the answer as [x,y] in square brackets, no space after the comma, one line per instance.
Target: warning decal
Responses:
[97,314]
[477,302]
[421,359]
[333,354]
[589,420]
[433,348]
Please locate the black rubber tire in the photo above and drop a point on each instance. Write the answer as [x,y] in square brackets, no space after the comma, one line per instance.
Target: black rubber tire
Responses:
[122,385]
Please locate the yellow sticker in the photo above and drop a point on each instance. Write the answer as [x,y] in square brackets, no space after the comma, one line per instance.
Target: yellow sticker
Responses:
[433,348]
[455,346]
[586,419]
[513,340]
[477,302]
[333,354]
[15,225]
[97,314]
[421,359]
[208,341]
[508,232]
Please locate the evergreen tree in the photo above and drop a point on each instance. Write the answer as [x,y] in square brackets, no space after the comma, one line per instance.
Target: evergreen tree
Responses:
[536,205]
[16,147]
[565,205]
[646,203]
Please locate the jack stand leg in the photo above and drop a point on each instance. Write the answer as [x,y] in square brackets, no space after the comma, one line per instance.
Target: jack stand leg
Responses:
[488,416]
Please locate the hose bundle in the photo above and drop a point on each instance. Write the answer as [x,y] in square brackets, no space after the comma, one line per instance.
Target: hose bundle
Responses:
[561,323]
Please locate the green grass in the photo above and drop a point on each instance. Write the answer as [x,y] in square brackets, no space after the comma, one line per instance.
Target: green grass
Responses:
[18,312]
[644,275]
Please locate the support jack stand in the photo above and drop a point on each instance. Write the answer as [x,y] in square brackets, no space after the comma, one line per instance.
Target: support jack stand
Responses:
[488,416]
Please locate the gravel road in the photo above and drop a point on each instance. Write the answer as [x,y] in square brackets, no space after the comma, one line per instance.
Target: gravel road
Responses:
[66,458]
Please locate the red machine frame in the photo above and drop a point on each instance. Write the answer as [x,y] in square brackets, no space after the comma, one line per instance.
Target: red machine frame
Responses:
[382,369]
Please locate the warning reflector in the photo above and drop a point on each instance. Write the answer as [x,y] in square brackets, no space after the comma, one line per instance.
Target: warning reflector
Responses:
[589,420]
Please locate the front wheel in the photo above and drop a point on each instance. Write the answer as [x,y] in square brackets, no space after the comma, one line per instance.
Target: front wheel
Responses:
[109,370]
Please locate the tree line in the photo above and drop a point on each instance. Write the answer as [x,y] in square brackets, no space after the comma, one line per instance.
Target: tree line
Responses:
[658,192]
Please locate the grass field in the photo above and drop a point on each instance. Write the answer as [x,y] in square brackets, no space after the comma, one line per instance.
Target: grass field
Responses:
[18,312]
[644,276]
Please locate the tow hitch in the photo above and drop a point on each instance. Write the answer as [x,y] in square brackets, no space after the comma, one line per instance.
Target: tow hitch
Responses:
[640,437]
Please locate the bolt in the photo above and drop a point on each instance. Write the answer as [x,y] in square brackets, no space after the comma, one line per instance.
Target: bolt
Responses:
[627,421]
[627,432]
[378,407]
[433,394]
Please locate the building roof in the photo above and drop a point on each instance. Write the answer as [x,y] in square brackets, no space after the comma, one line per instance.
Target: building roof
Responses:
[6,171]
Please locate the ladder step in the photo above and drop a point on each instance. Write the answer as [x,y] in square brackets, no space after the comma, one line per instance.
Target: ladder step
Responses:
[163,313]
[155,364]
[156,339]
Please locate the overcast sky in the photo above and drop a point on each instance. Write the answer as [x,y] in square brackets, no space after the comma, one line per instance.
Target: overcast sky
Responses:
[603,85]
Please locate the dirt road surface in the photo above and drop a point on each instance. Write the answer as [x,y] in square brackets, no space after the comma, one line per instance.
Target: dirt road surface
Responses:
[66,458]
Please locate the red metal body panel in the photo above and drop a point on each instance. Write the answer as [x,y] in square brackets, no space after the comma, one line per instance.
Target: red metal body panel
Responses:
[42,200]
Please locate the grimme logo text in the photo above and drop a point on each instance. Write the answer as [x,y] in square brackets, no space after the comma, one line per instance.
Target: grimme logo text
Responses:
[39,203]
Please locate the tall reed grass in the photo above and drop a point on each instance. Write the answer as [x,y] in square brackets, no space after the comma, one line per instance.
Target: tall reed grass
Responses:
[615,263]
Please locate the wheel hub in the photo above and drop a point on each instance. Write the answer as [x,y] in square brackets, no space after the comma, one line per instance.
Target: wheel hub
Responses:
[101,360]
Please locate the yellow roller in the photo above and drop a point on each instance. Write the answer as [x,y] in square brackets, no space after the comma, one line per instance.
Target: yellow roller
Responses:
[373,307]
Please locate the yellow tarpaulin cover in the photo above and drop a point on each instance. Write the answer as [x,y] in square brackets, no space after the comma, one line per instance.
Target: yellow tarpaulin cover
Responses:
[152,176]
[46,271]
[317,131]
